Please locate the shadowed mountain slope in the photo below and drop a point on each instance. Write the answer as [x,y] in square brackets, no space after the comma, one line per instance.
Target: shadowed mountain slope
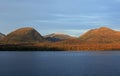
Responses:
[57,37]
[1,36]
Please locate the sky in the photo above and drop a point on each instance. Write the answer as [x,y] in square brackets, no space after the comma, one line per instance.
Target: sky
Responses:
[73,17]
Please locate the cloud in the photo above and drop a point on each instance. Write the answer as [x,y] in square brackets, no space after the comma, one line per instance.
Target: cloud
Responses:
[73,16]
[52,21]
[76,21]
[70,18]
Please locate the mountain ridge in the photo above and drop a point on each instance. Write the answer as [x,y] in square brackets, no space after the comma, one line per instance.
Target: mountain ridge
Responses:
[54,37]
[102,34]
[97,35]
[25,34]
[102,38]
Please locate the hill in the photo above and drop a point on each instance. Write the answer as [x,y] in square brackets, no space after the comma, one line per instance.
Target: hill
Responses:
[23,35]
[57,37]
[101,35]
[102,38]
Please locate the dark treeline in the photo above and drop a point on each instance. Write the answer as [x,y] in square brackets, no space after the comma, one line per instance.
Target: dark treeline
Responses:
[67,45]
[58,47]
[27,47]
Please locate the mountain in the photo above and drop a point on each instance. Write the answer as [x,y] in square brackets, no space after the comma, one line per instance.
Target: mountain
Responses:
[1,36]
[23,35]
[101,35]
[57,37]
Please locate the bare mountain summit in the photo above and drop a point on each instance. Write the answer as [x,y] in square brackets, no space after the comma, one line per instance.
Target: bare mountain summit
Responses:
[101,35]
[23,35]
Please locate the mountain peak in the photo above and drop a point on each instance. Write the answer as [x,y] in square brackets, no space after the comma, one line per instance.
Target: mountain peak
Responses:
[30,28]
[58,33]
[22,35]
[25,29]
[101,30]
[102,34]
[104,28]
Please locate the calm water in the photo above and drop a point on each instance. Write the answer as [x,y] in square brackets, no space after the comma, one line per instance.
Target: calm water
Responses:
[60,63]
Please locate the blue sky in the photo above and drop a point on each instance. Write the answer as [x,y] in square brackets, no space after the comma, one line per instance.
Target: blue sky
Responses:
[72,17]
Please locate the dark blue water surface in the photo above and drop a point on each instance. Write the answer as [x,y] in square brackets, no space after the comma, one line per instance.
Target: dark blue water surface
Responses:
[60,63]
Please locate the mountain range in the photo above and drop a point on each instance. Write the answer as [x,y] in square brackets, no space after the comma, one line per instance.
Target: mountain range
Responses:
[29,34]
[102,38]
